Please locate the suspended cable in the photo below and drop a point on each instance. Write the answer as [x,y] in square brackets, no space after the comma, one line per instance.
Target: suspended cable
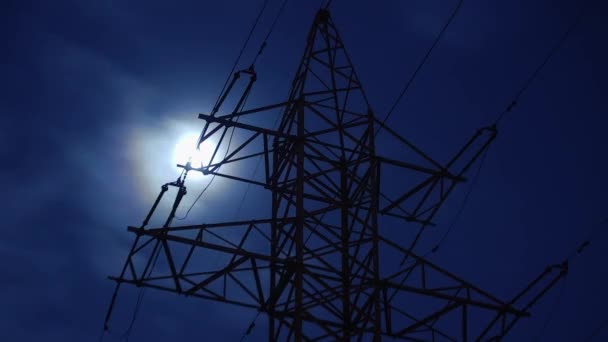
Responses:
[238,58]
[183,173]
[138,302]
[235,64]
[540,67]
[260,51]
[591,237]
[554,309]
[509,108]
[327,4]
[255,172]
[421,64]
[242,202]
[196,200]
[140,298]
[213,177]
[102,335]
[597,330]
[251,326]
[272,26]
[463,203]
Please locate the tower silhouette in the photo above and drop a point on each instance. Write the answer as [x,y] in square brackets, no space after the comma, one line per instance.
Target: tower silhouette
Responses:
[320,263]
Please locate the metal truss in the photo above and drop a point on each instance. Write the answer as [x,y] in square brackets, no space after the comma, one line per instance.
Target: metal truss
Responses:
[318,265]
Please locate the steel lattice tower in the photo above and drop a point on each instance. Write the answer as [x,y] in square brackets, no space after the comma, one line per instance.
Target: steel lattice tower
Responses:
[319,265]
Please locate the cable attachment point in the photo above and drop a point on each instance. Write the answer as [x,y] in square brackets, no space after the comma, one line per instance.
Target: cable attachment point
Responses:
[564,268]
[251,326]
[511,106]
[582,247]
[262,48]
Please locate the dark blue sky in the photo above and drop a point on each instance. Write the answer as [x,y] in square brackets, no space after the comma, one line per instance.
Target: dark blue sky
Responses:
[94,95]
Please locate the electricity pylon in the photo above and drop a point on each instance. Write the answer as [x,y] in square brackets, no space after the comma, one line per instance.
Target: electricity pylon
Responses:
[320,265]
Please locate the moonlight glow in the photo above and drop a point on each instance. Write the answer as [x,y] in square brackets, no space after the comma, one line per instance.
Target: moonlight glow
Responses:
[186,149]
[156,150]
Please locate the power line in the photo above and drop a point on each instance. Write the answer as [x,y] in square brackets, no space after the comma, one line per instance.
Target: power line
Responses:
[272,26]
[597,330]
[327,4]
[554,309]
[244,46]
[196,200]
[463,203]
[234,65]
[509,108]
[238,58]
[260,51]
[539,68]
[421,64]
[276,121]
[139,301]
[251,326]
[591,237]
[213,177]
[102,335]
[255,171]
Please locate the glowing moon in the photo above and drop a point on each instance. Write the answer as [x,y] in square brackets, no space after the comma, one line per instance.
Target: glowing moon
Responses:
[155,150]
[185,149]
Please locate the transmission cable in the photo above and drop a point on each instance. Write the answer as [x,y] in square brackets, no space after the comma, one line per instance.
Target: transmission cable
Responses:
[554,309]
[251,326]
[238,58]
[211,180]
[260,51]
[140,298]
[421,64]
[327,4]
[540,67]
[463,203]
[258,54]
[217,101]
[591,236]
[272,26]
[250,34]
[597,330]
[510,107]
[255,171]
[214,175]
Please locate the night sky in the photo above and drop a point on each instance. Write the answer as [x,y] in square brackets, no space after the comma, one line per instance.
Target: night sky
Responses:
[96,94]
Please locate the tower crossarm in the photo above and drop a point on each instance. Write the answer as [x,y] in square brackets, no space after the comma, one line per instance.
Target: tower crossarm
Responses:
[431,182]
[449,299]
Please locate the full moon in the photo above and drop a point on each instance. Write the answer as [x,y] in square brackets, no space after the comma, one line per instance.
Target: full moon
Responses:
[155,150]
[185,150]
